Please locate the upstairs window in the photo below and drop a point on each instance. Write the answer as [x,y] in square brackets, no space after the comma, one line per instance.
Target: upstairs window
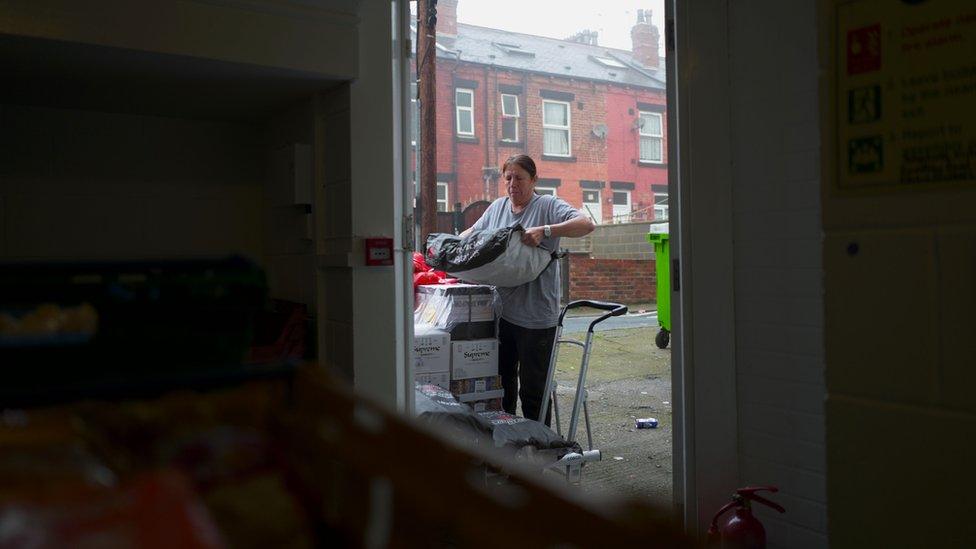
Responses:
[442,201]
[551,191]
[464,105]
[651,137]
[414,115]
[510,117]
[555,128]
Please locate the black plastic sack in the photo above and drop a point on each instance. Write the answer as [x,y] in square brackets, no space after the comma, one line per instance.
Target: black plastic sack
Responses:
[438,408]
[495,256]
[511,430]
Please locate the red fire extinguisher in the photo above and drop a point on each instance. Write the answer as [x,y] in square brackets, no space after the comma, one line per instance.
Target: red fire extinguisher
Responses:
[742,530]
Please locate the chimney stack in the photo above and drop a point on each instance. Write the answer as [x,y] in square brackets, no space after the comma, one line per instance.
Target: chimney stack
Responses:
[585,37]
[446,20]
[645,38]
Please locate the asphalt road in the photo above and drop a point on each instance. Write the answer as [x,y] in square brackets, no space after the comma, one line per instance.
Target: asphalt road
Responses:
[579,324]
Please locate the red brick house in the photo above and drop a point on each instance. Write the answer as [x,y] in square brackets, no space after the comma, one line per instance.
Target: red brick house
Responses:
[592,117]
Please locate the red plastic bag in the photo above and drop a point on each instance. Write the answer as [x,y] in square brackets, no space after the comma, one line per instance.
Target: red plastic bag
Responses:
[422,279]
[419,265]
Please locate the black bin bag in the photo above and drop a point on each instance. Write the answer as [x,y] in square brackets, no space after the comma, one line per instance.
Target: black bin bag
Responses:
[494,256]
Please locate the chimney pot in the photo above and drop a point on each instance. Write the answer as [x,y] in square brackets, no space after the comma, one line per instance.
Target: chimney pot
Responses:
[645,38]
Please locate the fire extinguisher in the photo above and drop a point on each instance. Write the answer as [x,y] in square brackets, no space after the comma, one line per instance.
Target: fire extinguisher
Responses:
[742,530]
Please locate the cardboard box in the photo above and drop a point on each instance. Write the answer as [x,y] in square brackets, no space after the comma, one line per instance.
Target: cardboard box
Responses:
[477,358]
[484,395]
[475,385]
[431,350]
[447,305]
[487,405]
[473,330]
[441,379]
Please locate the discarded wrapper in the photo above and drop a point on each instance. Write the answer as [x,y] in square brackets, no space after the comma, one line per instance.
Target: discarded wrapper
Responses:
[646,423]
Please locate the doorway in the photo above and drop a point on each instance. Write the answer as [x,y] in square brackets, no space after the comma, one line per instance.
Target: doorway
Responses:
[596,159]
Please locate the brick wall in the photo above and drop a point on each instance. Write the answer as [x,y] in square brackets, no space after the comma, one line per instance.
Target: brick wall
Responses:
[621,280]
[461,161]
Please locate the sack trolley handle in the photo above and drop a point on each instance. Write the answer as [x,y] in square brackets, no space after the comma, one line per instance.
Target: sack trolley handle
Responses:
[613,309]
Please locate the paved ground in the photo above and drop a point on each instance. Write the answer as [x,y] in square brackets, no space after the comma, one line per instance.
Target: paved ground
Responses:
[580,324]
[628,378]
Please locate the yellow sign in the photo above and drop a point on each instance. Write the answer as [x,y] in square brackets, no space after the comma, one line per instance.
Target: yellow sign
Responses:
[905,92]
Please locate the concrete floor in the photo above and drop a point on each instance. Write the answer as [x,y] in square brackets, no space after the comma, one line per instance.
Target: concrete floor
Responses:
[628,378]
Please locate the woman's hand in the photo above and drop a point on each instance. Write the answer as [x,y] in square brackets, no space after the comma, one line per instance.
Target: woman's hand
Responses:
[532,237]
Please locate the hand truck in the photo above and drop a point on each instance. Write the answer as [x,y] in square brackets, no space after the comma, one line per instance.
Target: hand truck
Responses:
[574,462]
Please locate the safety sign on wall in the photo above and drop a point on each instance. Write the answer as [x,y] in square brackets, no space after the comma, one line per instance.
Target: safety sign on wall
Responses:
[905,85]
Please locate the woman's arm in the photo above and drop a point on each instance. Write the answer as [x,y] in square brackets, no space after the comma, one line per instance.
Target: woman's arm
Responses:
[572,228]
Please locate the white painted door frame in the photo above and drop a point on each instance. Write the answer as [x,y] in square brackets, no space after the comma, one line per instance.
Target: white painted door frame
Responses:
[403,208]
[594,209]
[703,342]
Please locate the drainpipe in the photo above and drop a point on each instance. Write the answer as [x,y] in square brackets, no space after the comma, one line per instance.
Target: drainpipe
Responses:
[454,147]
[488,133]
[525,127]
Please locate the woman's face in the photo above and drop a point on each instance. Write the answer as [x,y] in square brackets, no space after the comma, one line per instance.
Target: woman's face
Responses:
[519,184]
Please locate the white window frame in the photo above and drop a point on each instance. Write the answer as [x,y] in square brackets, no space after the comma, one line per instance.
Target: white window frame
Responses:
[459,110]
[644,133]
[662,207]
[414,129]
[546,188]
[568,128]
[512,116]
[447,197]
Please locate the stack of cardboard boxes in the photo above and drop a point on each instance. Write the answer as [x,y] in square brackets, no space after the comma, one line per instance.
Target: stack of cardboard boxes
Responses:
[455,345]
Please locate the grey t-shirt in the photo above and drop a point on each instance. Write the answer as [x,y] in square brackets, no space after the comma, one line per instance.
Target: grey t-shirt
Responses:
[534,304]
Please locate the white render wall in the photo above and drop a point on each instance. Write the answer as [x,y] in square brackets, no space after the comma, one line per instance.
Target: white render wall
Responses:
[777,235]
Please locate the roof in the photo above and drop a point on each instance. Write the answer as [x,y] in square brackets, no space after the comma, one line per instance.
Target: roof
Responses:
[539,54]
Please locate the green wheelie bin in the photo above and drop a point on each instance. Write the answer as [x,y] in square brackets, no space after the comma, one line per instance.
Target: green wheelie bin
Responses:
[659,237]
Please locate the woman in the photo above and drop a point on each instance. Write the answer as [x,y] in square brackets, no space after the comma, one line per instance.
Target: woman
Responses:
[530,312]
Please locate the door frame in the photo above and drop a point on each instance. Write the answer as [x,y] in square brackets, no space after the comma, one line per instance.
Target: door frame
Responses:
[705,436]
[599,203]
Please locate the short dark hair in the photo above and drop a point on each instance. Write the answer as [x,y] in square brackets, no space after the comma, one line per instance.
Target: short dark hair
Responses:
[523,161]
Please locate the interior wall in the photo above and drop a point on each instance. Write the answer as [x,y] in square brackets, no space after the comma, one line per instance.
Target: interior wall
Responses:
[778,289]
[314,36]
[900,266]
[289,242]
[375,173]
[357,174]
[82,184]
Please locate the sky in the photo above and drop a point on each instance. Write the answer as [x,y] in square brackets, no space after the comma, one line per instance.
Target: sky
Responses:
[612,19]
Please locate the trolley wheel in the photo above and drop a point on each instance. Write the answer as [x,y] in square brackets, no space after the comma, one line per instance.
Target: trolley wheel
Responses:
[662,339]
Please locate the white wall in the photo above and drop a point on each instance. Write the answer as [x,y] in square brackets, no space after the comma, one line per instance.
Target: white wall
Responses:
[81,184]
[377,324]
[289,247]
[358,173]
[777,234]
